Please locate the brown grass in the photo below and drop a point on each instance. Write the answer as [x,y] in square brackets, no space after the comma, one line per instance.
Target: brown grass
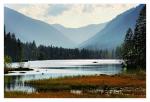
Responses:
[64,94]
[63,86]
[113,81]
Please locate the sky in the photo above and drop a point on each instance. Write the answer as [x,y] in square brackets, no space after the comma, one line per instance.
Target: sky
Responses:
[72,15]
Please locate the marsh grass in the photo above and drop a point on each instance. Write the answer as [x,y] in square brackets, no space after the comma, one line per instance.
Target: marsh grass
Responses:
[104,82]
[61,87]
[138,73]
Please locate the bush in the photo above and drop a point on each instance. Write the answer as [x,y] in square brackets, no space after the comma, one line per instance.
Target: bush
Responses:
[7,61]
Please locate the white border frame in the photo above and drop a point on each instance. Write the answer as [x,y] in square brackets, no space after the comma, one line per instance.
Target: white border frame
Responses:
[2,2]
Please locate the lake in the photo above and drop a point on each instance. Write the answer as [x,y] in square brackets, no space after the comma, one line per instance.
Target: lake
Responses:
[14,81]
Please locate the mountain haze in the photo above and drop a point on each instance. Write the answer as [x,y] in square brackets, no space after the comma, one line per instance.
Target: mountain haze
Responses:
[81,34]
[94,36]
[114,32]
[28,29]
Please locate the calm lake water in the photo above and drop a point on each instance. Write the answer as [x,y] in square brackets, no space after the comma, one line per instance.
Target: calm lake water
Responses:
[58,68]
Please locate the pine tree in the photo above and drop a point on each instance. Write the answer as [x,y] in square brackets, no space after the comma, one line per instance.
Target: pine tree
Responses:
[134,47]
[19,51]
[127,46]
[140,40]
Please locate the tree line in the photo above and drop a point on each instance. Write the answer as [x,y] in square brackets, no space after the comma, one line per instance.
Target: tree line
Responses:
[19,51]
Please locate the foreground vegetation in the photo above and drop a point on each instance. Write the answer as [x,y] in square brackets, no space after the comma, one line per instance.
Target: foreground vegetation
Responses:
[65,94]
[122,85]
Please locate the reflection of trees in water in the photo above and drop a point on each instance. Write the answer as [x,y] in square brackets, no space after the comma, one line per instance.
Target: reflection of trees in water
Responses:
[18,79]
[17,83]
[12,81]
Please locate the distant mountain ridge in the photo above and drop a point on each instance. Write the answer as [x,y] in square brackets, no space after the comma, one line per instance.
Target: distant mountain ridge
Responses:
[28,29]
[81,34]
[95,36]
[114,32]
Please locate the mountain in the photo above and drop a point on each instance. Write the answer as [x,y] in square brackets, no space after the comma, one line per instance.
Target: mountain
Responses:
[114,32]
[28,29]
[81,34]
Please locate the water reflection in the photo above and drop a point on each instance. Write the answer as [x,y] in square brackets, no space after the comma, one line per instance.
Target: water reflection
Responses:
[15,81]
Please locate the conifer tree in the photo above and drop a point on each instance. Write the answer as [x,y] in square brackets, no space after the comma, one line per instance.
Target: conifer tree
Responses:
[127,46]
[139,40]
[134,47]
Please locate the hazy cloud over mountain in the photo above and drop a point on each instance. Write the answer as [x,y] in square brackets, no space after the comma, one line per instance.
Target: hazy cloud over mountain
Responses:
[56,10]
[72,15]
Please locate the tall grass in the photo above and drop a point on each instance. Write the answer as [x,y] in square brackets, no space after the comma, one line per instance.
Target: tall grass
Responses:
[86,82]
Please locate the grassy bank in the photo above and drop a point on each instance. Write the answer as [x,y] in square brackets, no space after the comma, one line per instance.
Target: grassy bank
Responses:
[122,85]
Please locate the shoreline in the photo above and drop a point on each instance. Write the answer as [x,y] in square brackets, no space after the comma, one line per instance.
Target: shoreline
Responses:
[130,85]
[10,70]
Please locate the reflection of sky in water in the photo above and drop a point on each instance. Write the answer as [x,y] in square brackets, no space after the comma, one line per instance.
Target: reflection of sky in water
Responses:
[67,63]
[15,81]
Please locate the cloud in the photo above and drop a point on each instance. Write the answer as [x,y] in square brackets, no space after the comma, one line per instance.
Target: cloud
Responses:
[88,8]
[72,15]
[55,10]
